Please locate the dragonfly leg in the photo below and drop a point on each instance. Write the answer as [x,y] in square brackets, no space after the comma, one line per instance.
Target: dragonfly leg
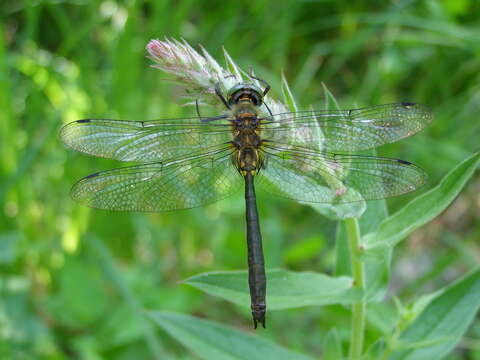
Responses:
[229,76]
[218,91]
[204,120]
[266,84]
[198,109]
[269,111]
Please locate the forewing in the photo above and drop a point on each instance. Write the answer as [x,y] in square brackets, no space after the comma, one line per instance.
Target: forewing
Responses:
[347,130]
[144,141]
[189,183]
[321,177]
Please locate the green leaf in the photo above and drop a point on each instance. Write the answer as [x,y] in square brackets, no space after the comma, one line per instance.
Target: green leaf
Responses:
[422,209]
[330,100]
[231,66]
[287,95]
[304,249]
[332,346]
[376,212]
[382,316]
[210,340]
[377,275]
[285,289]
[444,320]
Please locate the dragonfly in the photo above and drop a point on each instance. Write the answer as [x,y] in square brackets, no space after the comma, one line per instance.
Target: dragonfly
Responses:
[190,162]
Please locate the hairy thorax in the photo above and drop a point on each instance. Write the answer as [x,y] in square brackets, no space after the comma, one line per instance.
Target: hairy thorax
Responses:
[246,138]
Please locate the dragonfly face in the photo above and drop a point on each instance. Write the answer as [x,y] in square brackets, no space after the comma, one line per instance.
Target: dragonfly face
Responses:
[245,92]
[305,156]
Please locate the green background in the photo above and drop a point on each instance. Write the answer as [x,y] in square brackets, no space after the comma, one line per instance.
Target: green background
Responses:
[73,280]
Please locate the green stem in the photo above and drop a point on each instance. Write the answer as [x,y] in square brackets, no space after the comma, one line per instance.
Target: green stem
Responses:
[358,274]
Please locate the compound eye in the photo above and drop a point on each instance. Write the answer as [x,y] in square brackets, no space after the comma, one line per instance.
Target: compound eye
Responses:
[256,100]
[233,99]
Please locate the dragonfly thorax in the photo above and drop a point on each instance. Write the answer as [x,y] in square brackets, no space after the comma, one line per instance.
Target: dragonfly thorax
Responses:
[247,142]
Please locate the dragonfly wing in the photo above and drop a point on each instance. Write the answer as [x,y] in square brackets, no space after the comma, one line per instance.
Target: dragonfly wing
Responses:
[156,187]
[334,178]
[347,130]
[143,141]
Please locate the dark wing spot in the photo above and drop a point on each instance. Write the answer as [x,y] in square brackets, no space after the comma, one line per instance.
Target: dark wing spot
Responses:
[83,121]
[408,104]
[92,175]
[404,162]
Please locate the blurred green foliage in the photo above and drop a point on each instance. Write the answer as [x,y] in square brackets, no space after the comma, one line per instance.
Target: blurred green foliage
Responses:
[74,281]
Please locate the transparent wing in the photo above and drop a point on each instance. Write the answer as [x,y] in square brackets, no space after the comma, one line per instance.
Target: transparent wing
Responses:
[144,141]
[347,130]
[322,177]
[183,184]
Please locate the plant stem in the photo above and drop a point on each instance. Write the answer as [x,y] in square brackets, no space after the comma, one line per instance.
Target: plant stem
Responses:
[358,274]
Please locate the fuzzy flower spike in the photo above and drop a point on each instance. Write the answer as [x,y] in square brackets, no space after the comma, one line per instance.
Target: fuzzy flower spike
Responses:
[200,73]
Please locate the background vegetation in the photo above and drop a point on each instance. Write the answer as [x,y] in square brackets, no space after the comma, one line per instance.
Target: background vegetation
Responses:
[74,281]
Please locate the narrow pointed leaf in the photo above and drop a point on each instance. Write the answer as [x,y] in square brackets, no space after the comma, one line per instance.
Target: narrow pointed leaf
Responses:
[443,322]
[213,65]
[330,100]
[232,67]
[422,209]
[287,95]
[211,341]
[285,289]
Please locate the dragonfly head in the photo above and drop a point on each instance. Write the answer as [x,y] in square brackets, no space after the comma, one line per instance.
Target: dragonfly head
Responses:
[245,92]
